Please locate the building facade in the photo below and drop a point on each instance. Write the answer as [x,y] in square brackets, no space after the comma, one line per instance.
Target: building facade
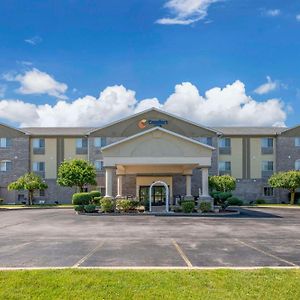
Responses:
[132,153]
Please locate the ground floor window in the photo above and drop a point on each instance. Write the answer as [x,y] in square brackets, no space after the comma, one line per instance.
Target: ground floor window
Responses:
[268,191]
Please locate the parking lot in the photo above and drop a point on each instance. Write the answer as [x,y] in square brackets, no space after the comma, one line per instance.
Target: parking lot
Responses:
[60,238]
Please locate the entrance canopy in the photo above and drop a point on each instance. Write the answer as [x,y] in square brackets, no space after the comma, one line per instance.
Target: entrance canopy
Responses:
[157,147]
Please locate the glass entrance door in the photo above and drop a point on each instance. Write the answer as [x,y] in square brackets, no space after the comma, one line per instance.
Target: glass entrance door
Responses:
[158,195]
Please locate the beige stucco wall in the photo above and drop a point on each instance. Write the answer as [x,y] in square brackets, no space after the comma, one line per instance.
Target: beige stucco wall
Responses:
[70,150]
[236,157]
[50,158]
[256,157]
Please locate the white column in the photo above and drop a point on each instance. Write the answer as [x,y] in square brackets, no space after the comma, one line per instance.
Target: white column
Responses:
[205,182]
[119,186]
[108,182]
[188,185]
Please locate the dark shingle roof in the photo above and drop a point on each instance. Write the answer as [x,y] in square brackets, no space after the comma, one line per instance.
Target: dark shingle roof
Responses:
[65,131]
[250,130]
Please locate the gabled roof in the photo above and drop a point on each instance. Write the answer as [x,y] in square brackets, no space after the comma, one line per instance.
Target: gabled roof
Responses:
[157,129]
[12,128]
[58,131]
[160,111]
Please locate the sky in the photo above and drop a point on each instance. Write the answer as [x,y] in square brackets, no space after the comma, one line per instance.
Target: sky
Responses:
[90,62]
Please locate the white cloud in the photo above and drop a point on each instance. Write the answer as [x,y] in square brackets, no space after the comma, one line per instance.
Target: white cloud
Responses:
[33,40]
[298,17]
[185,12]
[267,87]
[37,82]
[219,106]
[273,12]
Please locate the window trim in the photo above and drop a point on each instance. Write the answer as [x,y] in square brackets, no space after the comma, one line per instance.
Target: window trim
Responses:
[7,144]
[297,142]
[5,161]
[268,188]
[101,164]
[297,162]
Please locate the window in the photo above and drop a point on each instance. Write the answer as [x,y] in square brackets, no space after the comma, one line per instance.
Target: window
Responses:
[99,165]
[297,141]
[267,142]
[297,165]
[268,191]
[5,165]
[38,166]
[224,143]
[224,167]
[38,143]
[100,142]
[38,146]
[81,146]
[267,166]
[267,145]
[5,142]
[206,140]
[42,193]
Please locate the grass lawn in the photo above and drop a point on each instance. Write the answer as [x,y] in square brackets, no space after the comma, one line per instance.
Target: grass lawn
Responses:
[150,284]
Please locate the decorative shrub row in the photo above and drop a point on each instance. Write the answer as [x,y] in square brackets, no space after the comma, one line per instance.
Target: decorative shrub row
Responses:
[90,208]
[86,198]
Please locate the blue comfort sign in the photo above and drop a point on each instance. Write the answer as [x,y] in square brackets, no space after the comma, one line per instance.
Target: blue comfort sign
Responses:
[157,122]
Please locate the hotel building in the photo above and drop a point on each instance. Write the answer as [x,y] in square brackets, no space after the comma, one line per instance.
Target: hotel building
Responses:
[132,153]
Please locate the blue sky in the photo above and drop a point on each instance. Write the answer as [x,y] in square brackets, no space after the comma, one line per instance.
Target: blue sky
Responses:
[87,47]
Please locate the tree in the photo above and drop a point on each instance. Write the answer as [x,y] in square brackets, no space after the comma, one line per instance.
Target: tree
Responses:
[76,172]
[29,182]
[224,183]
[289,180]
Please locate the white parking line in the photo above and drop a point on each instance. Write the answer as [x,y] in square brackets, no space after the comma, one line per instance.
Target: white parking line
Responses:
[182,254]
[82,260]
[266,253]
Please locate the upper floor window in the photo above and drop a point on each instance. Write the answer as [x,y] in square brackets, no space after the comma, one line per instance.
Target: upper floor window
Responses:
[297,165]
[81,145]
[100,142]
[98,165]
[206,140]
[224,167]
[297,141]
[225,145]
[5,142]
[38,146]
[267,145]
[267,168]
[5,165]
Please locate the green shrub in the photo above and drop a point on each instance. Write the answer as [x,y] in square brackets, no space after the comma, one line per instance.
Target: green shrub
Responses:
[126,205]
[188,206]
[79,208]
[107,205]
[177,209]
[205,206]
[260,201]
[97,200]
[90,208]
[95,194]
[1,201]
[221,198]
[81,199]
[235,201]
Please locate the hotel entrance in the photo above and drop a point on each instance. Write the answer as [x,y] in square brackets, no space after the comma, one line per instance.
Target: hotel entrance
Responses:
[158,195]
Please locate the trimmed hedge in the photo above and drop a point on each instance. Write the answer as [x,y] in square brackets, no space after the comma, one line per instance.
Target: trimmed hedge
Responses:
[79,208]
[107,205]
[188,206]
[260,201]
[81,198]
[235,201]
[90,208]
[205,206]
[126,205]
[95,194]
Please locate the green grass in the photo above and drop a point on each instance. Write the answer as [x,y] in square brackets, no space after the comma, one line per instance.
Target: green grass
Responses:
[154,284]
